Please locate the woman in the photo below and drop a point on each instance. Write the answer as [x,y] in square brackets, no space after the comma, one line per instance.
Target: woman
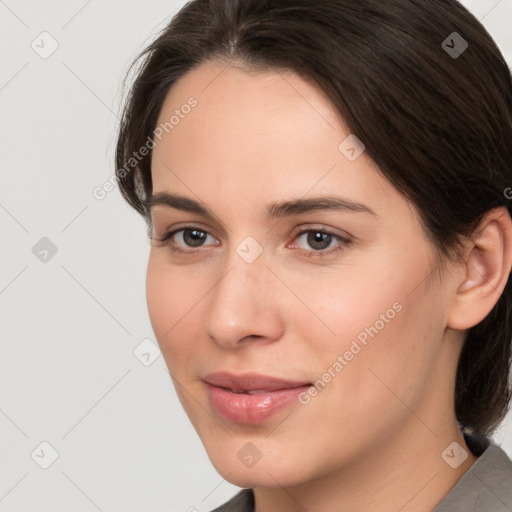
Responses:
[326,185]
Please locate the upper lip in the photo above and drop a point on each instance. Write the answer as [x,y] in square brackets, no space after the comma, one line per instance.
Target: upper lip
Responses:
[250,381]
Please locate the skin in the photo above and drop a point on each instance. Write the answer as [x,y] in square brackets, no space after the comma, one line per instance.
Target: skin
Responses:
[372,439]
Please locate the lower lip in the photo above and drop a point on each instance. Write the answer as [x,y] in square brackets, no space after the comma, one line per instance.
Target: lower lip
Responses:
[251,409]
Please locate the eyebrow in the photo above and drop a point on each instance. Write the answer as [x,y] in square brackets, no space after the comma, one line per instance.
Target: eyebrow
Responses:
[272,211]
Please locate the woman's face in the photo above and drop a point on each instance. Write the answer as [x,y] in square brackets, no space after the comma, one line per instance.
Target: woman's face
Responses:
[343,297]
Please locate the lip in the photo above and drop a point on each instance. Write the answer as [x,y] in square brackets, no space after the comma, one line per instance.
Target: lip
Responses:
[230,396]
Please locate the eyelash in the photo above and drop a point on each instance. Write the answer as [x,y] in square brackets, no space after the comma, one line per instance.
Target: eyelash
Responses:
[166,241]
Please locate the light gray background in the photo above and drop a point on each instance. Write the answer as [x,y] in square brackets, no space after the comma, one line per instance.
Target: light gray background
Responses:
[70,324]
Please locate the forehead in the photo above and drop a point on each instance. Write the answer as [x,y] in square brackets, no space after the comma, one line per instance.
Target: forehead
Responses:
[268,109]
[257,133]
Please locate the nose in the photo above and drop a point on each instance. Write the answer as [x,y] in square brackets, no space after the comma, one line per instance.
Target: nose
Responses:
[244,304]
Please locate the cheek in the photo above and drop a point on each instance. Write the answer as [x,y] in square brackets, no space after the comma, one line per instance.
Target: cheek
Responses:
[161,306]
[171,299]
[348,304]
[385,365]
[380,325]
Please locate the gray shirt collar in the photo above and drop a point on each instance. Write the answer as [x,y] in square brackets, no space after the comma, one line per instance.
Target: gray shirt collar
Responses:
[486,486]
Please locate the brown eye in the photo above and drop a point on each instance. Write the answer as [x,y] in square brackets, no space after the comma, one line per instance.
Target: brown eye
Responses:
[189,238]
[193,237]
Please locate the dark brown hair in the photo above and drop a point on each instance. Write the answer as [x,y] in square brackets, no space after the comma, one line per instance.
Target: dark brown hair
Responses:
[437,124]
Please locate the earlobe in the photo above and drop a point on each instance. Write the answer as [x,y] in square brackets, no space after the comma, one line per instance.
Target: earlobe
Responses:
[486,270]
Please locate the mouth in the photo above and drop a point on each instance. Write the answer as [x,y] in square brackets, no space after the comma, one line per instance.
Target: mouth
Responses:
[250,391]
[251,398]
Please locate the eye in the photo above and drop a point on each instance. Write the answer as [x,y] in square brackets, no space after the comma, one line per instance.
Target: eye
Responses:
[321,241]
[191,237]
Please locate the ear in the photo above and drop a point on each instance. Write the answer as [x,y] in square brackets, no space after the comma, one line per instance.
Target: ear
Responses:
[485,271]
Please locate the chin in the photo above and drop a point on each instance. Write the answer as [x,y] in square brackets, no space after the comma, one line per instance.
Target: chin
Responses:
[266,472]
[249,478]
[253,477]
